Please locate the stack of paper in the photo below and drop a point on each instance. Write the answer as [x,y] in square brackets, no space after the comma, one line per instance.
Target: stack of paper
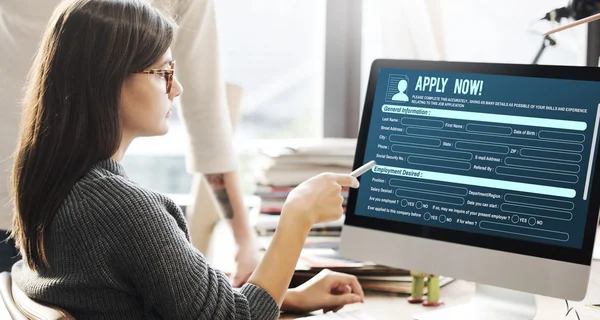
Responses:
[266,224]
[280,167]
[290,164]
[321,253]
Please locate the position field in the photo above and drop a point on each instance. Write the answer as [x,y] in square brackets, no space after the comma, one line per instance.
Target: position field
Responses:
[562,136]
[476,181]
[487,117]
[480,147]
[432,152]
[489,129]
[524,231]
[439,163]
[537,212]
[428,187]
[550,155]
[416,195]
[420,122]
[418,141]
[539,202]
[538,175]
[523,142]
[542,165]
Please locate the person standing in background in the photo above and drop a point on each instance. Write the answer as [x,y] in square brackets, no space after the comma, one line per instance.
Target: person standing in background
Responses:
[208,123]
[203,109]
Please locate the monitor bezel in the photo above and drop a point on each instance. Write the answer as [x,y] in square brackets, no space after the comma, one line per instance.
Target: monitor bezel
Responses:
[561,253]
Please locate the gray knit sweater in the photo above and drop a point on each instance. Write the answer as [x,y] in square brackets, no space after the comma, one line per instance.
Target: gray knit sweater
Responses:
[118,251]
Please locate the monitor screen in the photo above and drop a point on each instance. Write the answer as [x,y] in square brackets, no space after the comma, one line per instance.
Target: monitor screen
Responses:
[485,155]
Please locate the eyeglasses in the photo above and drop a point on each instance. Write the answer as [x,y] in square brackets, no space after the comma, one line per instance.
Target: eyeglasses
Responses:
[167,73]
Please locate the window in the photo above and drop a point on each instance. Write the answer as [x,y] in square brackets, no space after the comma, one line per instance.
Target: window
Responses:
[273,49]
[507,31]
[465,30]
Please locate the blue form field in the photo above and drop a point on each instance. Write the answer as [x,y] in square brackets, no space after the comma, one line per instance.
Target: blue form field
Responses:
[522,142]
[420,122]
[561,136]
[480,147]
[537,212]
[418,141]
[487,117]
[476,181]
[538,175]
[439,163]
[550,155]
[428,187]
[539,202]
[542,165]
[431,152]
[415,195]
[524,231]
[489,129]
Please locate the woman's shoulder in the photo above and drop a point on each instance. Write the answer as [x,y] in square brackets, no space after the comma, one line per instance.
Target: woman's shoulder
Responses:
[108,200]
[109,188]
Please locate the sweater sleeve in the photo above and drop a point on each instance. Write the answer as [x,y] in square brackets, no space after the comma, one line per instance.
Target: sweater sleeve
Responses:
[151,251]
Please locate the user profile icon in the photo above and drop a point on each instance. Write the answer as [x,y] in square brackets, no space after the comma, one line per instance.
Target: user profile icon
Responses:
[397,87]
[401,95]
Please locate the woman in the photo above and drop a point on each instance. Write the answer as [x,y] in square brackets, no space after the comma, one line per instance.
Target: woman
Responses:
[94,242]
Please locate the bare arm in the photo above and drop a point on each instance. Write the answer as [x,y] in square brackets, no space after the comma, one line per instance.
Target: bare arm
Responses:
[315,200]
[228,191]
[277,267]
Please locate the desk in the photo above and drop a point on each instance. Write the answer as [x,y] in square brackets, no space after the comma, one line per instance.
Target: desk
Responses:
[458,292]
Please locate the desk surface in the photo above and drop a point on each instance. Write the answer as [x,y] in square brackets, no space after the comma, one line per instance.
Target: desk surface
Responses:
[458,292]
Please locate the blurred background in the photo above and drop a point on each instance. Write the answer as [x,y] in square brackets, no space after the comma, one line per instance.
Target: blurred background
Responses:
[304,64]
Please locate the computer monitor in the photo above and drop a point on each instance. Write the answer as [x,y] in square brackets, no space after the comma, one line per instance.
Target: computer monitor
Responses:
[485,172]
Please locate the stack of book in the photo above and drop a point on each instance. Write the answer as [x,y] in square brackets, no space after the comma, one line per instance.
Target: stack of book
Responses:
[265,225]
[289,164]
[279,168]
[273,197]
[372,278]
[322,253]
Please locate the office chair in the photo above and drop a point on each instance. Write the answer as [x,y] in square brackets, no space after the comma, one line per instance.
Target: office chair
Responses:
[18,306]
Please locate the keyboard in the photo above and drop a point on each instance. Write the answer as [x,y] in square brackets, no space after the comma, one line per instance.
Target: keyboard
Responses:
[341,315]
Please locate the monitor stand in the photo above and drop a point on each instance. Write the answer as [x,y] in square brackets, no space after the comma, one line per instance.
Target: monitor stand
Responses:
[489,303]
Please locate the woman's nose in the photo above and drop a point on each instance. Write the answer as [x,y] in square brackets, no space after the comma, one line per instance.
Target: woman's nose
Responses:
[176,89]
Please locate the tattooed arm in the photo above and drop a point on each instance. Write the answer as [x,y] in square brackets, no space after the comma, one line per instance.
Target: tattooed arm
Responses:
[228,191]
[217,182]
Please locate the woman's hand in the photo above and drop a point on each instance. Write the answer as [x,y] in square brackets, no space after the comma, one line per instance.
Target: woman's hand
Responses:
[318,199]
[328,290]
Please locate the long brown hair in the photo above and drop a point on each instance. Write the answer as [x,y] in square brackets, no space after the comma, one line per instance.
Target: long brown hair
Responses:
[70,115]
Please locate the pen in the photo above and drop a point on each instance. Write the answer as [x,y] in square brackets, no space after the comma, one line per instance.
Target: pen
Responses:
[575,23]
[362,169]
